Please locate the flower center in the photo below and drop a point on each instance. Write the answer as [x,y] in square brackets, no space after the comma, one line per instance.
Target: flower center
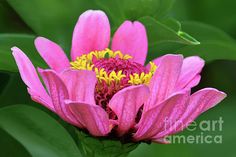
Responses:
[114,72]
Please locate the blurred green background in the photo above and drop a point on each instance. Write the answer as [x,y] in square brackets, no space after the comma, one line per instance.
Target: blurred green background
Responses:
[173,26]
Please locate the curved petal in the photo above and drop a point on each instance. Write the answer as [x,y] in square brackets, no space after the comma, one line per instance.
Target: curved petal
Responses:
[156,61]
[52,53]
[126,104]
[92,32]
[164,80]
[194,82]
[154,120]
[192,66]
[31,79]
[92,116]
[161,141]
[131,38]
[80,84]
[59,94]
[35,96]
[200,102]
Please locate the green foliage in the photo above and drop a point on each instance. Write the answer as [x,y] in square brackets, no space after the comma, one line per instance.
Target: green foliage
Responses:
[28,131]
[8,144]
[54,19]
[25,43]
[10,20]
[211,51]
[40,134]
[100,147]
[19,94]
[121,10]
[218,13]
[204,32]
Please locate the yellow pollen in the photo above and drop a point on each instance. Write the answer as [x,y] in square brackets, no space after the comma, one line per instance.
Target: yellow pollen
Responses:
[84,62]
[143,78]
[108,78]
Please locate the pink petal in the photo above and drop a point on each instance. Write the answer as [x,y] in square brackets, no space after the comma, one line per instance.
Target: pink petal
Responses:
[80,84]
[192,66]
[194,82]
[153,120]
[200,102]
[35,96]
[52,53]
[31,79]
[161,141]
[131,38]
[92,32]
[92,116]
[126,104]
[59,94]
[155,61]
[164,80]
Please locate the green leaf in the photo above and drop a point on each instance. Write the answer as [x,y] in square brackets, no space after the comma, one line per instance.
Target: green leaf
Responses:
[121,10]
[162,48]
[217,13]
[103,147]
[158,32]
[14,88]
[40,134]
[54,19]
[172,23]
[8,144]
[135,9]
[10,21]
[204,32]
[165,36]
[7,63]
[164,8]
[211,50]
[25,43]
[215,44]
[4,79]
[115,11]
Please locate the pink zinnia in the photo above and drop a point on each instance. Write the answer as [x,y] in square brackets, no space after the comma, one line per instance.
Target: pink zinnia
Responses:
[111,91]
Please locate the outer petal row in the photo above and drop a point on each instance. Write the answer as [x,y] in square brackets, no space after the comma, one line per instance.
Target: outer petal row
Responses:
[52,53]
[167,112]
[59,94]
[153,120]
[79,112]
[189,76]
[90,116]
[172,75]
[164,80]
[176,113]
[31,79]
[80,84]
[93,117]
[199,102]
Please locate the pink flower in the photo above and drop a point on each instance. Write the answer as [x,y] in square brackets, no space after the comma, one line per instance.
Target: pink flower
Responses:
[111,91]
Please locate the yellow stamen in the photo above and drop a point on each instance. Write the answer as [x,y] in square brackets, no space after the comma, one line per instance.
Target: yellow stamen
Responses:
[84,62]
[108,78]
[143,78]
